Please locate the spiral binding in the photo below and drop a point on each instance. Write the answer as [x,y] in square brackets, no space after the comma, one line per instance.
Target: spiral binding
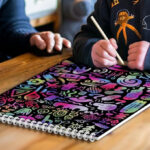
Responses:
[27,123]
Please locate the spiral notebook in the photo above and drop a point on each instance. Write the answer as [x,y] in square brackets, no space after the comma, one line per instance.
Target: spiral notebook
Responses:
[77,101]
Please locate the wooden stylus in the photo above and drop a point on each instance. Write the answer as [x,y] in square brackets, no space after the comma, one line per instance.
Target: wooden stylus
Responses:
[105,37]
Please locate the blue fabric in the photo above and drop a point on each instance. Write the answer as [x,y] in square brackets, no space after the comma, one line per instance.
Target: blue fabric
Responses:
[15,28]
[74,14]
[147,61]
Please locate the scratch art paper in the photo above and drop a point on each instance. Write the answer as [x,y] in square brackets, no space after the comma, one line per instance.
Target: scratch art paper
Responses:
[77,101]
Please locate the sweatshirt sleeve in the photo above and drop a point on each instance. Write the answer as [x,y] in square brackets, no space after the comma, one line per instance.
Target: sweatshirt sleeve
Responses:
[89,35]
[147,61]
[15,29]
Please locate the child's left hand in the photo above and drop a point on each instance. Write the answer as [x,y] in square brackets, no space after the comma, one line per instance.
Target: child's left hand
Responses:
[49,40]
[136,54]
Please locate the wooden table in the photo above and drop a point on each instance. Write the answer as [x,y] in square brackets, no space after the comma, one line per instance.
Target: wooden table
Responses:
[133,135]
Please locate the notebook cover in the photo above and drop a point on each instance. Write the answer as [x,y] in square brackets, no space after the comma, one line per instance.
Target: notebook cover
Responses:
[77,101]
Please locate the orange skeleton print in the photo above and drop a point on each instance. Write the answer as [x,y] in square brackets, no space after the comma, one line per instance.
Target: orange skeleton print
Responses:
[135,1]
[122,20]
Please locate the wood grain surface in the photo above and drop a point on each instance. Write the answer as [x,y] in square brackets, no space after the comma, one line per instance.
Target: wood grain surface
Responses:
[133,135]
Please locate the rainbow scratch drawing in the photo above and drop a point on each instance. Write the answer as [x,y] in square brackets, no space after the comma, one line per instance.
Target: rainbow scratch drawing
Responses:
[87,102]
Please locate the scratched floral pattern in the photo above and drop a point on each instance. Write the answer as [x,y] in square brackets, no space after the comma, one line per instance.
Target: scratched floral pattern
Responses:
[77,97]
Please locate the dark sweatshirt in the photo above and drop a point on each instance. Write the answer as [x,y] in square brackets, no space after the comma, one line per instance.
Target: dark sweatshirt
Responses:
[127,21]
[15,29]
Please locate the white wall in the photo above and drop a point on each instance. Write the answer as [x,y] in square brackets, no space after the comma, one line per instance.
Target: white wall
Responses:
[39,8]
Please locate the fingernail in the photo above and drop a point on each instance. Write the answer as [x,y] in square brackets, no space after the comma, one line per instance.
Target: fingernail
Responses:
[69,45]
[59,47]
[111,47]
[50,51]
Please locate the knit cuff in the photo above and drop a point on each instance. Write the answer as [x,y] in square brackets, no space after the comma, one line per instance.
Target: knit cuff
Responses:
[147,61]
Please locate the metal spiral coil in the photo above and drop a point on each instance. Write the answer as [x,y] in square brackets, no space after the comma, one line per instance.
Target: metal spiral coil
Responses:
[45,127]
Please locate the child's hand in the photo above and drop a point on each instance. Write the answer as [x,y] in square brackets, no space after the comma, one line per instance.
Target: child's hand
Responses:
[137,53]
[49,41]
[104,53]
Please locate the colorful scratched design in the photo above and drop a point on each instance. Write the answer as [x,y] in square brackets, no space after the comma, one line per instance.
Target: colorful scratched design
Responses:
[77,97]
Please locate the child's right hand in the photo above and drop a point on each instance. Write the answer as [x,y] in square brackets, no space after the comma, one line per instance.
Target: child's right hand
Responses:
[104,53]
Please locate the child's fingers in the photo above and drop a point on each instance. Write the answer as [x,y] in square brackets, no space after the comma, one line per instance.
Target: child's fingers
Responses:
[100,56]
[104,55]
[137,44]
[58,42]
[131,65]
[49,40]
[37,41]
[132,57]
[132,51]
[134,45]
[106,45]
[98,64]
[66,43]
[102,61]
[107,63]
[114,43]
[48,37]
[135,65]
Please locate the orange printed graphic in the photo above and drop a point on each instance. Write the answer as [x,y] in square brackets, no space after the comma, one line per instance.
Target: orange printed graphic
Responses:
[114,3]
[123,18]
[135,1]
